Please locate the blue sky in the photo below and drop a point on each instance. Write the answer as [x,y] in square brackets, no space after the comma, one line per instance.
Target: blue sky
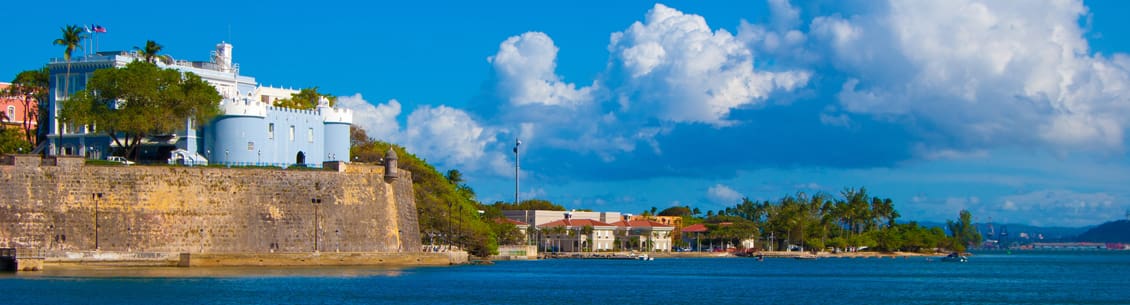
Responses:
[1015,110]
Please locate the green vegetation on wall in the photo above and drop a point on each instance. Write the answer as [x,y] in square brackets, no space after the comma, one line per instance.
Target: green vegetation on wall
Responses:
[448,212]
[306,98]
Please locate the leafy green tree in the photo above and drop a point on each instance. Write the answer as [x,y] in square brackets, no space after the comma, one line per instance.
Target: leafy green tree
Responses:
[963,232]
[675,211]
[305,99]
[71,40]
[530,204]
[30,87]
[507,233]
[12,142]
[138,100]
[854,220]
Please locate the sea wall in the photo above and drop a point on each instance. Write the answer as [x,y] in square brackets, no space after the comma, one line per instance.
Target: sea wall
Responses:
[59,205]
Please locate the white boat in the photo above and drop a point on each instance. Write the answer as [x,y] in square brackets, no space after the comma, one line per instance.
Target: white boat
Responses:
[955,258]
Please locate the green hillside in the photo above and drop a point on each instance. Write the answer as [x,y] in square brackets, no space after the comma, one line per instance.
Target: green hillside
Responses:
[1111,232]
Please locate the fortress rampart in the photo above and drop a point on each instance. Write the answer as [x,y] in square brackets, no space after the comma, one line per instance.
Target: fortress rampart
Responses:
[59,205]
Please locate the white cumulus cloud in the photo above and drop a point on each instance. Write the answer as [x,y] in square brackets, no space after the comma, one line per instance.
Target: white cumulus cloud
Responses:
[981,73]
[676,68]
[526,66]
[723,194]
[449,137]
[378,121]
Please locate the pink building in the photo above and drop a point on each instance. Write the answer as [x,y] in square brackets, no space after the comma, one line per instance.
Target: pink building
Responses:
[14,111]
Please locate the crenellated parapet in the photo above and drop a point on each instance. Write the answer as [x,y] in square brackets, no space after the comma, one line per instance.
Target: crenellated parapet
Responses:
[336,115]
[253,108]
[244,107]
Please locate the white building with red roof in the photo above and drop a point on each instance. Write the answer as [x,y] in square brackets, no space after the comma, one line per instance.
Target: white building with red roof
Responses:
[556,231]
[540,217]
[577,235]
[650,235]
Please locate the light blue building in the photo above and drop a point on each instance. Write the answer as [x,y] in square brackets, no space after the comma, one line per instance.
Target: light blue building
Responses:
[250,130]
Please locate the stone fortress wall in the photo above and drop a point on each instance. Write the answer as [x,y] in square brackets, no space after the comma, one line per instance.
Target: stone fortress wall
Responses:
[53,205]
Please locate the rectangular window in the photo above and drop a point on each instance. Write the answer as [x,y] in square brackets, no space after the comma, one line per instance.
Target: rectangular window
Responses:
[310,135]
[292,133]
[265,99]
[271,131]
[250,146]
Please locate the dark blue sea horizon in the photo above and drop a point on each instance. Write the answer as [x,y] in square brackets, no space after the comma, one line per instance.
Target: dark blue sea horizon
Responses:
[988,278]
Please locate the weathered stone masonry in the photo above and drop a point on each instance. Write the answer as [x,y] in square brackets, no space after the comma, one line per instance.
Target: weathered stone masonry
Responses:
[54,205]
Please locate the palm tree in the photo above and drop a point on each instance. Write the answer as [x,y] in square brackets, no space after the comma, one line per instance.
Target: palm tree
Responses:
[71,40]
[454,177]
[149,52]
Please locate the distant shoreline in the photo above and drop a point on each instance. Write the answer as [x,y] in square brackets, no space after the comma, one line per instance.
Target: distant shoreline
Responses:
[774,254]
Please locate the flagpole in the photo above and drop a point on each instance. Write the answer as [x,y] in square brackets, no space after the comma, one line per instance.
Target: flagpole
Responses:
[89,44]
[517,173]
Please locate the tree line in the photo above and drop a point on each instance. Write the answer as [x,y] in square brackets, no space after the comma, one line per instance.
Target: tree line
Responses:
[853,220]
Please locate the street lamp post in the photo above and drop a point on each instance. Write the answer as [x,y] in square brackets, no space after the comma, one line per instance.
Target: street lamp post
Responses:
[447,237]
[315,202]
[517,174]
[517,168]
[459,240]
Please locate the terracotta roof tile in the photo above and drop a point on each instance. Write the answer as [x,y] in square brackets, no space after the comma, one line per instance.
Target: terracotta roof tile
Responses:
[695,228]
[509,221]
[641,224]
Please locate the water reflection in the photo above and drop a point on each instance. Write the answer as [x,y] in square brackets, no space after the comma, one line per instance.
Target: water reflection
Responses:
[209,272]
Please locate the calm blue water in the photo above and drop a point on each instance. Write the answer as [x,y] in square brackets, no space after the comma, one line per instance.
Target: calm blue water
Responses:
[1020,278]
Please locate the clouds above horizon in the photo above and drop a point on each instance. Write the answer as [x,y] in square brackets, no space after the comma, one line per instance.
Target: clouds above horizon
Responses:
[886,83]
[964,76]
[526,66]
[674,67]
[972,74]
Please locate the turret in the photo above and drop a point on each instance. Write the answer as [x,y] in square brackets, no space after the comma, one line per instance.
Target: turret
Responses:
[222,56]
[390,164]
